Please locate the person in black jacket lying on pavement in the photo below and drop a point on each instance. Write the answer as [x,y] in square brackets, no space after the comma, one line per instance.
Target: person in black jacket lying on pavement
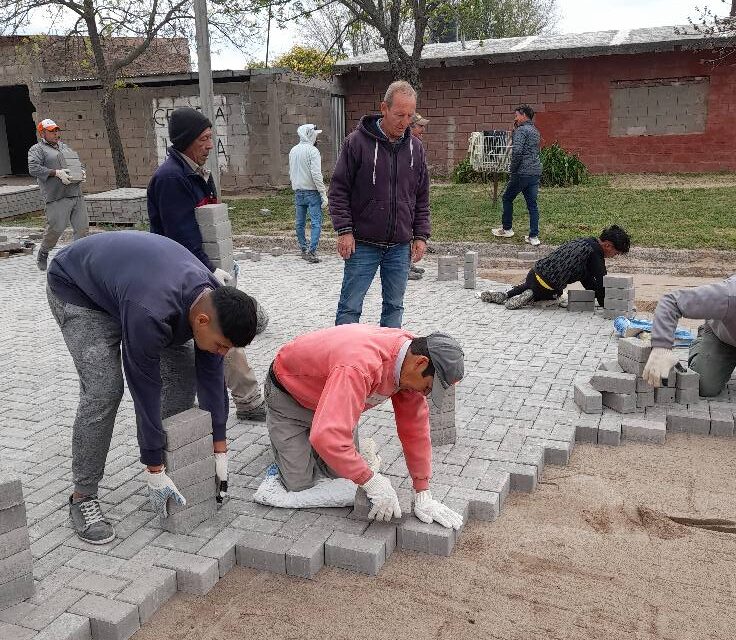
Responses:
[582,260]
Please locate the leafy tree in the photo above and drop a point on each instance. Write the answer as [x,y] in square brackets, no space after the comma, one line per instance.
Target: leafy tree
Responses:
[720,30]
[101,22]
[308,61]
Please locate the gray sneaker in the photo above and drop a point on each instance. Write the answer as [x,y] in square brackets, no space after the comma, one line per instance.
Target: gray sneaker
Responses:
[496,297]
[42,260]
[413,275]
[304,254]
[88,521]
[312,257]
[523,299]
[254,414]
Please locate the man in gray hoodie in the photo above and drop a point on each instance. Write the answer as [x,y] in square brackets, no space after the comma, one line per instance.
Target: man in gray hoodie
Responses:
[713,352]
[310,193]
[58,171]
[525,173]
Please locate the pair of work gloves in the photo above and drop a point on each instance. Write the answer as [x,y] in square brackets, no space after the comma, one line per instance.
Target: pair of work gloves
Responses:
[161,487]
[386,504]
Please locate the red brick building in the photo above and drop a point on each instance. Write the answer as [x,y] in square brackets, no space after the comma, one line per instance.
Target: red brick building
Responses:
[643,100]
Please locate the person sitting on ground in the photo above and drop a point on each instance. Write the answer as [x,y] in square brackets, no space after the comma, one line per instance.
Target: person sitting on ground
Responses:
[713,352]
[582,260]
[144,301]
[320,383]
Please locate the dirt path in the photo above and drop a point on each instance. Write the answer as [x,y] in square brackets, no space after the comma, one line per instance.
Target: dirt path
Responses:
[588,555]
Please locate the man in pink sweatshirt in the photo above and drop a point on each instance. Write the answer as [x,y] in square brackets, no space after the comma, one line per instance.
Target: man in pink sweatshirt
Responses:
[321,382]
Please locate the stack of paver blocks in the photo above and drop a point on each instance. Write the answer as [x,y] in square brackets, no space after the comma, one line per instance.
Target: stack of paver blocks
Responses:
[73,165]
[471,267]
[16,561]
[190,463]
[442,419]
[580,300]
[119,206]
[446,268]
[17,200]
[619,299]
[217,234]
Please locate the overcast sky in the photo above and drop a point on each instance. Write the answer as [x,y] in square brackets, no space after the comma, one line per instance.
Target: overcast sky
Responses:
[576,16]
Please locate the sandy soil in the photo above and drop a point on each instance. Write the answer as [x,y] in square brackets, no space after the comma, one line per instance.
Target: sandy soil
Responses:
[591,554]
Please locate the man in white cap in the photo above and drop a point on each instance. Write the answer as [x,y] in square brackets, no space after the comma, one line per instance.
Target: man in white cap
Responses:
[310,193]
[59,173]
[321,382]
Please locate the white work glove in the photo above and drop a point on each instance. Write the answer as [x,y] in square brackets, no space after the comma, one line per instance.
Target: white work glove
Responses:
[223,276]
[427,509]
[84,175]
[221,476]
[160,489]
[64,176]
[659,365]
[383,497]
[324,203]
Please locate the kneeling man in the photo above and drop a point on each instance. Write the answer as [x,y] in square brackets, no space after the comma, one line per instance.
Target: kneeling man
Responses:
[321,382]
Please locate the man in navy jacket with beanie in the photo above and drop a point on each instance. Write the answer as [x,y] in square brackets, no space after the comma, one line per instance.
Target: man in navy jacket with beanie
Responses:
[180,185]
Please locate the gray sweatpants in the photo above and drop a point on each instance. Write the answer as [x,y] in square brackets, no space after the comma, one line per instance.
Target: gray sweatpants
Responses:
[93,339]
[289,424]
[241,380]
[713,359]
[59,215]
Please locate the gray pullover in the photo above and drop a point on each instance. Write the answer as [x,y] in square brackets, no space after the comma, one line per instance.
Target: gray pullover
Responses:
[43,159]
[525,150]
[715,303]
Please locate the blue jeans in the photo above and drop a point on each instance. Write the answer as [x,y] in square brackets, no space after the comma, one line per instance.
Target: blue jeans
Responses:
[529,186]
[308,201]
[360,269]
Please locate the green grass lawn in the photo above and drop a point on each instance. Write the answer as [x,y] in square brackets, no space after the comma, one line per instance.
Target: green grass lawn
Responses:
[688,218]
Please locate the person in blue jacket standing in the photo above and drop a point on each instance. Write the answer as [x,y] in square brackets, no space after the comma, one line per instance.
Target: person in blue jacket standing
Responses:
[141,303]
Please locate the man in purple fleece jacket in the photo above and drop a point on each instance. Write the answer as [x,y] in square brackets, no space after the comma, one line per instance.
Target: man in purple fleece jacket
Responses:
[713,352]
[379,205]
[144,302]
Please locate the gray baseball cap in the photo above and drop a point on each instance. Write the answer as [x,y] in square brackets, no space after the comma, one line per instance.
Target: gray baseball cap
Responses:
[448,359]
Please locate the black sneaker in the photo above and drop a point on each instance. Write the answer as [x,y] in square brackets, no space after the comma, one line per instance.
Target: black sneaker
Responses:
[42,260]
[312,257]
[415,269]
[304,254]
[254,414]
[88,521]
[415,275]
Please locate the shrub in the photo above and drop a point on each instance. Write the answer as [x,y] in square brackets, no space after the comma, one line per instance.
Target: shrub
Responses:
[560,168]
[464,173]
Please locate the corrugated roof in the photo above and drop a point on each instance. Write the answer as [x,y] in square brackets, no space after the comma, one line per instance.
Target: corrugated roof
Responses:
[545,47]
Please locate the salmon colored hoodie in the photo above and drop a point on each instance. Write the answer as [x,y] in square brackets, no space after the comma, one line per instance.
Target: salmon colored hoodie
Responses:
[339,373]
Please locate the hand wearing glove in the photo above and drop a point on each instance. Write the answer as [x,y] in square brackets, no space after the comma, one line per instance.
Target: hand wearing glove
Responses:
[64,176]
[325,203]
[221,476]
[659,365]
[428,510]
[160,489]
[383,497]
[223,276]
[84,175]
[368,451]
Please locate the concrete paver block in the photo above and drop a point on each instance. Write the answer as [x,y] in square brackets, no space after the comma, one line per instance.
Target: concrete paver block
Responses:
[16,590]
[222,549]
[415,535]
[385,532]
[645,399]
[687,396]
[13,518]
[193,473]
[15,566]
[614,382]
[14,542]
[355,553]
[580,295]
[188,454]
[634,349]
[609,433]
[194,574]
[11,491]
[664,395]
[184,521]
[629,365]
[67,626]
[261,551]
[306,556]
[186,427]
[108,619]
[618,281]
[688,379]
[721,423]
[587,398]
[643,430]
[148,592]
[621,402]
[523,477]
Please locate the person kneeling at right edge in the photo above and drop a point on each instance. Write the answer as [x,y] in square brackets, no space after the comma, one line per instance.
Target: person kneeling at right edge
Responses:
[582,260]
[319,385]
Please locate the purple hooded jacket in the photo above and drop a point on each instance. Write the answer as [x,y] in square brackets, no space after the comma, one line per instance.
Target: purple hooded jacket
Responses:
[379,190]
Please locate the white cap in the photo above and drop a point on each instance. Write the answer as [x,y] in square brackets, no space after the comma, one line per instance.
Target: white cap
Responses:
[49,124]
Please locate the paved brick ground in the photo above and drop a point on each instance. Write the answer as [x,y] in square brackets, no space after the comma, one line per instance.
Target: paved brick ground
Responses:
[515,410]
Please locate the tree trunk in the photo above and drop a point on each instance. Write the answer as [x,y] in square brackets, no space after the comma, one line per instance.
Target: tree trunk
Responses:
[109,115]
[402,65]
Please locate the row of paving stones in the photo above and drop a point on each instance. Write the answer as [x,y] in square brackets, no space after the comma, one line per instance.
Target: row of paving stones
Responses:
[515,413]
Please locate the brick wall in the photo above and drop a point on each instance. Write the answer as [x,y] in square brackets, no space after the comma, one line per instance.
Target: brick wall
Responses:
[262,116]
[572,98]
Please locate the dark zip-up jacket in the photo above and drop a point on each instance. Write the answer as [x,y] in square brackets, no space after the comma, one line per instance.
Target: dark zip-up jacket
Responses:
[578,260]
[525,150]
[174,191]
[148,284]
[379,190]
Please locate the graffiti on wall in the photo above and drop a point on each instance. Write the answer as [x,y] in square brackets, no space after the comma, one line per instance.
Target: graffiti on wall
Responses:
[162,108]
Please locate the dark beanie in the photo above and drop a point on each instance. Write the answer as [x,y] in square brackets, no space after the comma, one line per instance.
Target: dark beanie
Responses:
[185,125]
